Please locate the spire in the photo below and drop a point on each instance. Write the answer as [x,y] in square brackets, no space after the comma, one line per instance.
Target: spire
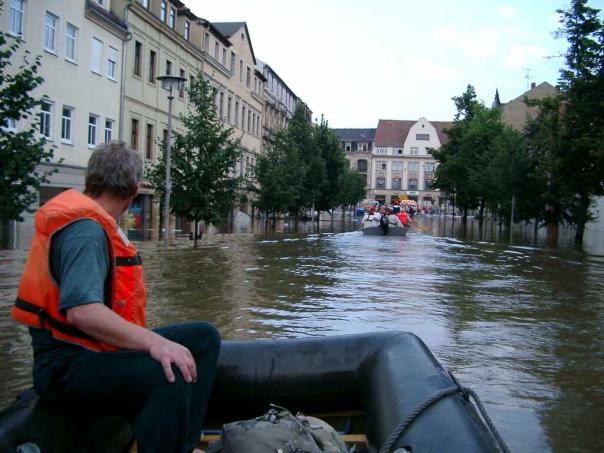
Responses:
[496,101]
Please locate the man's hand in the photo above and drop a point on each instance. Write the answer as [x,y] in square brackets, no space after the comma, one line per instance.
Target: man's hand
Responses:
[101,323]
[167,353]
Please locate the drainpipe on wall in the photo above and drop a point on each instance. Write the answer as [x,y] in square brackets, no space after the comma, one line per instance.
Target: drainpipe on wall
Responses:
[123,75]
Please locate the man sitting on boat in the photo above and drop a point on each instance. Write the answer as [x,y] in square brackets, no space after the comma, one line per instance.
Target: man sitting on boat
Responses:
[403,217]
[82,295]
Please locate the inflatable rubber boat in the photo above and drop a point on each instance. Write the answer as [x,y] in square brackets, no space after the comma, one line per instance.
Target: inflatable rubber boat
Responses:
[388,377]
[391,231]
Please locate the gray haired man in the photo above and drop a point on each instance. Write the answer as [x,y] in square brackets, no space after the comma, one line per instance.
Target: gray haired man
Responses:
[83,296]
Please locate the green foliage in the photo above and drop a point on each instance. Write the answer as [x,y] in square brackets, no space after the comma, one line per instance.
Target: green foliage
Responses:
[279,172]
[334,163]
[352,187]
[21,151]
[204,159]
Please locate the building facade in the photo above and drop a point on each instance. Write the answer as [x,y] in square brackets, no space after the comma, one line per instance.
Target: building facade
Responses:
[358,146]
[80,44]
[397,159]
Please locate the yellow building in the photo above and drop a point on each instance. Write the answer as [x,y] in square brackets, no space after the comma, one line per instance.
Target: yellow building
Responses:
[81,48]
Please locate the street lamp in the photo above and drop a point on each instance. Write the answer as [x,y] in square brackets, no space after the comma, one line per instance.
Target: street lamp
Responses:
[170,83]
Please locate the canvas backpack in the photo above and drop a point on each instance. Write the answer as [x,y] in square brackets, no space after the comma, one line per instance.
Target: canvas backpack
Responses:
[279,431]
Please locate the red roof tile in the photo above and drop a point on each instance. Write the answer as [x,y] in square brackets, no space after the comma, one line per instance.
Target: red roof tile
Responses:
[394,132]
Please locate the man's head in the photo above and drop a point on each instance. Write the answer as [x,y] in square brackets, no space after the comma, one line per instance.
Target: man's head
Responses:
[114,171]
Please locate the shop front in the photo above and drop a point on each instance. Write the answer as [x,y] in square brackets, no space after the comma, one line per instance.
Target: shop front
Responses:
[139,218]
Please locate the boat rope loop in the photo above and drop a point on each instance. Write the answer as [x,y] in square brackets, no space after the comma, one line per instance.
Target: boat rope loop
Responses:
[466,393]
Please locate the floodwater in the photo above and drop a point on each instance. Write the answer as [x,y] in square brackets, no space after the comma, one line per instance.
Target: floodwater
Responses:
[519,322]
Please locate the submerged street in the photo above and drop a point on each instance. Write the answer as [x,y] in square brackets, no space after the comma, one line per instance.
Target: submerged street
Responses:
[520,324]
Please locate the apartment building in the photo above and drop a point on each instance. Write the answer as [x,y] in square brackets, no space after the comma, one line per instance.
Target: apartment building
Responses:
[81,48]
[358,146]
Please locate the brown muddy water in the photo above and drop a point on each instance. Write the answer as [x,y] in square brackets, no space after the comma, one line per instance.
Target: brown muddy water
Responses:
[519,322]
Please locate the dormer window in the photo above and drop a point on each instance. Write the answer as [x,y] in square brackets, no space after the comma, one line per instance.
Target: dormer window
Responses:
[172,19]
[187,30]
[164,11]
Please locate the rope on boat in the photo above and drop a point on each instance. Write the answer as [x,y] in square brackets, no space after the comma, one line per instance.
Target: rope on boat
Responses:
[466,393]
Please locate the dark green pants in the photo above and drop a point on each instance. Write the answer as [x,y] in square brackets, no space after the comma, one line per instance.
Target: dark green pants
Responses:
[165,417]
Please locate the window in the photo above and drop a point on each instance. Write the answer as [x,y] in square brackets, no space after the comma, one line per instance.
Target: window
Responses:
[241,70]
[108,130]
[248,77]
[168,67]
[112,63]
[187,30]
[149,142]
[164,8]
[412,166]
[399,151]
[15,17]
[145,3]
[181,91]
[92,124]
[45,119]
[230,101]
[50,31]
[216,49]
[428,184]
[429,166]
[9,124]
[236,113]
[206,44]
[362,165]
[254,123]
[66,125]
[138,49]
[380,183]
[96,52]
[249,121]
[224,53]
[414,150]
[412,184]
[134,134]
[172,19]
[381,150]
[221,108]
[397,165]
[382,165]
[233,62]
[152,60]
[422,136]
[396,183]
[243,118]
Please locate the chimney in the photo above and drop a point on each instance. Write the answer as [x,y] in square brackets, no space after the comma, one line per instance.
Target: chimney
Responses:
[533,85]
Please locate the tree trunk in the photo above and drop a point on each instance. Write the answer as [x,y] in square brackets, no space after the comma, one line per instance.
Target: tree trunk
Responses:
[195,233]
[481,215]
[582,217]
[274,220]
[464,218]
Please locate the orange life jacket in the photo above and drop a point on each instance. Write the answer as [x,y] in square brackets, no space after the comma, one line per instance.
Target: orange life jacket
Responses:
[38,297]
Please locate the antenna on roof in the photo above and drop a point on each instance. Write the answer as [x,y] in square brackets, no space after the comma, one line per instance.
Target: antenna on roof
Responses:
[528,77]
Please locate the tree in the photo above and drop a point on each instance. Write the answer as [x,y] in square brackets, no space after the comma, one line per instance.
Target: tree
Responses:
[334,163]
[279,173]
[352,187]
[204,158]
[582,86]
[21,152]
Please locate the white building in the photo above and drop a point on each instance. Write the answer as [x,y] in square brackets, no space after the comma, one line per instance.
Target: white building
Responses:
[80,44]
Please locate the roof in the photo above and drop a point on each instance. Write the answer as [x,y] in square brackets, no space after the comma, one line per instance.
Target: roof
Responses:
[544,89]
[394,132]
[228,29]
[360,135]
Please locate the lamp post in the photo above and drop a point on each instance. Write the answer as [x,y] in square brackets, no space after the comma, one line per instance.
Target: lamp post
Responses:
[170,83]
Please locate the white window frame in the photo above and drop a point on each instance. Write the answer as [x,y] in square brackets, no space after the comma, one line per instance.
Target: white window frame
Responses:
[73,40]
[16,18]
[429,166]
[108,133]
[112,63]
[145,3]
[397,166]
[48,114]
[9,125]
[50,31]
[64,119]
[97,70]
[414,150]
[92,143]
[413,166]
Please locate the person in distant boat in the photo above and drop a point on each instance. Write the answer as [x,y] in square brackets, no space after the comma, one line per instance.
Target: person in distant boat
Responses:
[403,217]
[368,218]
[393,220]
[377,216]
[384,220]
[82,295]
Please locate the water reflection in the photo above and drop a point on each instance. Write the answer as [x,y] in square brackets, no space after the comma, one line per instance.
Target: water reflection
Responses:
[519,322]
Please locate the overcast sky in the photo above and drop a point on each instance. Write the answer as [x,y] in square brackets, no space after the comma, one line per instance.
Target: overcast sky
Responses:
[357,61]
